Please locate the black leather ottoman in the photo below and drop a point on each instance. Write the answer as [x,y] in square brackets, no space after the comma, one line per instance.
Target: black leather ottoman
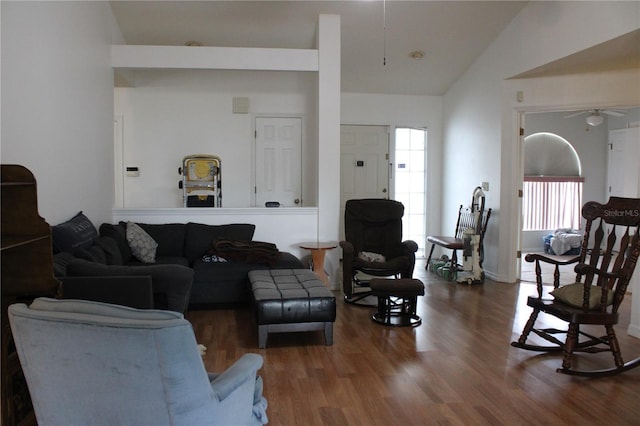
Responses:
[287,300]
[397,301]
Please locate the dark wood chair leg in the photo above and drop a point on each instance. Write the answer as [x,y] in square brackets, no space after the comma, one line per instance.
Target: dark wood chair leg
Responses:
[572,340]
[433,246]
[528,327]
[615,347]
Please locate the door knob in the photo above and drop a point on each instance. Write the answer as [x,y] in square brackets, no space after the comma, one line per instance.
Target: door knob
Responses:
[384,190]
[297,201]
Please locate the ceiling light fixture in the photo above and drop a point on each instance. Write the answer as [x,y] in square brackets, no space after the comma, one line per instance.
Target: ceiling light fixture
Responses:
[594,119]
[416,54]
[384,33]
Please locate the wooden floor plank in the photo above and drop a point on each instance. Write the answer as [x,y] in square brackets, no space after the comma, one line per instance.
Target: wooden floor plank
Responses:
[457,368]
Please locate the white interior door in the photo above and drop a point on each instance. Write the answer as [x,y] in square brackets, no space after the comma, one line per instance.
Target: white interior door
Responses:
[622,172]
[364,164]
[622,176]
[278,148]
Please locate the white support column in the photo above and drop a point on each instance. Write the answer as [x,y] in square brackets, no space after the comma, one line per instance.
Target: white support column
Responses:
[329,137]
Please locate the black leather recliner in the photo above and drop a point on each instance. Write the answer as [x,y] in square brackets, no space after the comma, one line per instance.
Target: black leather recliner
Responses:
[373,227]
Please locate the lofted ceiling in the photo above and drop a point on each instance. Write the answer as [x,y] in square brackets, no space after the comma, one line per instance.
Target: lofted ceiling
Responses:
[452,34]
[619,53]
[377,36]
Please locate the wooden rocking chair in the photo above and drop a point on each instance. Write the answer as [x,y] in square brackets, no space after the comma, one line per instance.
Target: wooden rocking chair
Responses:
[604,267]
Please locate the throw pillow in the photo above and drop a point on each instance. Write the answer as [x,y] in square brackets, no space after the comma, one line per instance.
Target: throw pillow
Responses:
[142,245]
[368,256]
[213,258]
[572,295]
[74,234]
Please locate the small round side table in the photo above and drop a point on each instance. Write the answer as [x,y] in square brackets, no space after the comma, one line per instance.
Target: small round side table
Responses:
[318,250]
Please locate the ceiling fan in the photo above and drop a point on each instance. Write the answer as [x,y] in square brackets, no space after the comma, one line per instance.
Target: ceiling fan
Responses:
[595,117]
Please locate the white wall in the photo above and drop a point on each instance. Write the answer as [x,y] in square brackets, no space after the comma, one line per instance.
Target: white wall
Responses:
[171,114]
[481,111]
[631,118]
[401,110]
[57,103]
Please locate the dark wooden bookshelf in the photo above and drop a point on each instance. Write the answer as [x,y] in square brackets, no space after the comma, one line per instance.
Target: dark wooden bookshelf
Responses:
[26,272]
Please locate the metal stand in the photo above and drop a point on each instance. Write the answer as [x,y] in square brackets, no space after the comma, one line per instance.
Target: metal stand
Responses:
[201,182]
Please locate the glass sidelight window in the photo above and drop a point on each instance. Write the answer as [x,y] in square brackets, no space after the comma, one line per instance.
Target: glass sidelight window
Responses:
[410,182]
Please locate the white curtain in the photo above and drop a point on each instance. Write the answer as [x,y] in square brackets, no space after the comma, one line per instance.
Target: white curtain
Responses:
[551,202]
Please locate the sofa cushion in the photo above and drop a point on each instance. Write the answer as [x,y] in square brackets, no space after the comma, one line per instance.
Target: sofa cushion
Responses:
[169,236]
[198,236]
[111,250]
[60,263]
[74,234]
[221,283]
[162,260]
[136,292]
[143,246]
[285,260]
[119,234]
[94,254]
[227,282]
[171,283]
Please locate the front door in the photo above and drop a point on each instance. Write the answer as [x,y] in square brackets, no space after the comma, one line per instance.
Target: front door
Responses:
[364,164]
[278,161]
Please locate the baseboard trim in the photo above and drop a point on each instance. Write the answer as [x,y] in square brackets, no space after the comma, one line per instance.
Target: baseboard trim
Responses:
[634,330]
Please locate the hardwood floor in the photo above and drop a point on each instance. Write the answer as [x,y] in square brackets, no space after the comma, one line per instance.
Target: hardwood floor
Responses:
[457,368]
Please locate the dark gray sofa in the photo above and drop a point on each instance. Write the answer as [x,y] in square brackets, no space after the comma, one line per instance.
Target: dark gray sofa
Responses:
[180,258]
[187,244]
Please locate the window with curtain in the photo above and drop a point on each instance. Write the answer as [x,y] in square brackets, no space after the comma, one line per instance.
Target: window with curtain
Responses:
[552,187]
[551,202]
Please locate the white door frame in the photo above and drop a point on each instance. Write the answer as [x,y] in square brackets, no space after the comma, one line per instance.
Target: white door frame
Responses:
[118,161]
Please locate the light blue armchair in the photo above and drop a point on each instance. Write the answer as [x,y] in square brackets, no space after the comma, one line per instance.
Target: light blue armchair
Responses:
[90,363]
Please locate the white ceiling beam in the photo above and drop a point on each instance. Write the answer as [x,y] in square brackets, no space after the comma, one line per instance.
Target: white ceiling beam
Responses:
[221,58]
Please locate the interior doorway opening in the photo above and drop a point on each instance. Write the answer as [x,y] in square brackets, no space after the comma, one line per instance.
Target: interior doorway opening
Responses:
[410,182]
[591,144]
